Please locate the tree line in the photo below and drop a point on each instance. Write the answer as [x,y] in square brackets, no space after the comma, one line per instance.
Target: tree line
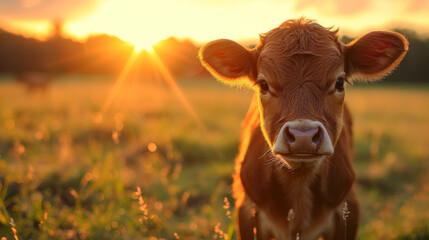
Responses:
[98,55]
[107,55]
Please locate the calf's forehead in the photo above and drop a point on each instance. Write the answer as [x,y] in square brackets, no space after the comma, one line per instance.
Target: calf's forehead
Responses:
[302,53]
[288,71]
[298,38]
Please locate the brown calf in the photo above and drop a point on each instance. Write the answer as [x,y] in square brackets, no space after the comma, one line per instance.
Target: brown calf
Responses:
[296,147]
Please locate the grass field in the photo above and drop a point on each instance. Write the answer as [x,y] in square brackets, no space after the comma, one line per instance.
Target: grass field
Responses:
[149,169]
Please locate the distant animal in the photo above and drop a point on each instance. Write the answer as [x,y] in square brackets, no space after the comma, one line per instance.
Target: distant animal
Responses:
[294,171]
[35,82]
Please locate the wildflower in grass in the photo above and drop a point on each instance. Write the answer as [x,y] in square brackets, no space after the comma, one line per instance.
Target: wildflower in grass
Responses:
[254,221]
[45,218]
[115,136]
[70,234]
[184,200]
[30,172]
[142,208]
[143,205]
[176,236]
[254,232]
[38,135]
[74,194]
[216,231]
[18,150]
[346,213]
[219,233]
[85,179]
[12,224]
[290,217]
[226,206]
[176,171]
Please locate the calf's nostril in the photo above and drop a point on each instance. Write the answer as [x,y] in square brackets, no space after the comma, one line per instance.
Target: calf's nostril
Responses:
[290,138]
[317,136]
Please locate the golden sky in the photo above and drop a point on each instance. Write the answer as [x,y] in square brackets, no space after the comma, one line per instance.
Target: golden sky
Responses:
[144,22]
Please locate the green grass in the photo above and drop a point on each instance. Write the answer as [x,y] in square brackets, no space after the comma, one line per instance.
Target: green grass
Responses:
[65,174]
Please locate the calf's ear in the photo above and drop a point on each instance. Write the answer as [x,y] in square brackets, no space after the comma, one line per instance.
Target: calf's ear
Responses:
[375,55]
[228,61]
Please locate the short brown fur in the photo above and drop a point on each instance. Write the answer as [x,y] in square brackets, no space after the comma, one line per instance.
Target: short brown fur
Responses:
[301,63]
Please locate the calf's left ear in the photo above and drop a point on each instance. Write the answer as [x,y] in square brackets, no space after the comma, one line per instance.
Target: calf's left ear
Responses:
[375,54]
[228,61]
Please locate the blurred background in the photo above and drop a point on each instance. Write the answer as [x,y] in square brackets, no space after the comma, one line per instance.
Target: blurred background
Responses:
[110,128]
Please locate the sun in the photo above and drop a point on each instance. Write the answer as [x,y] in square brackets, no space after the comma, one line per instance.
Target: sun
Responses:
[142,46]
[142,23]
[140,40]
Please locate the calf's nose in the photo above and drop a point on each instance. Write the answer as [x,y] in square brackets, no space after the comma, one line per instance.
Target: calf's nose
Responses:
[303,140]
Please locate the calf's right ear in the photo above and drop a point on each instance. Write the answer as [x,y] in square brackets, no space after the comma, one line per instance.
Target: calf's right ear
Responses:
[228,61]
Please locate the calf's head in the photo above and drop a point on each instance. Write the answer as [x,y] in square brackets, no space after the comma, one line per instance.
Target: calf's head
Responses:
[299,70]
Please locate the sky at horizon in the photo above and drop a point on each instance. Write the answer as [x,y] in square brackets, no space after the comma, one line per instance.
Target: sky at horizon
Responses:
[143,22]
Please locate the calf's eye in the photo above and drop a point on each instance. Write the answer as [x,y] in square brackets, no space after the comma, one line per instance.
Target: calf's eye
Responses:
[263,85]
[339,85]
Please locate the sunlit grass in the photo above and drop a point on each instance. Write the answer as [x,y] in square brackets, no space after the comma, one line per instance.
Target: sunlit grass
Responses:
[391,136]
[85,181]
[64,175]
